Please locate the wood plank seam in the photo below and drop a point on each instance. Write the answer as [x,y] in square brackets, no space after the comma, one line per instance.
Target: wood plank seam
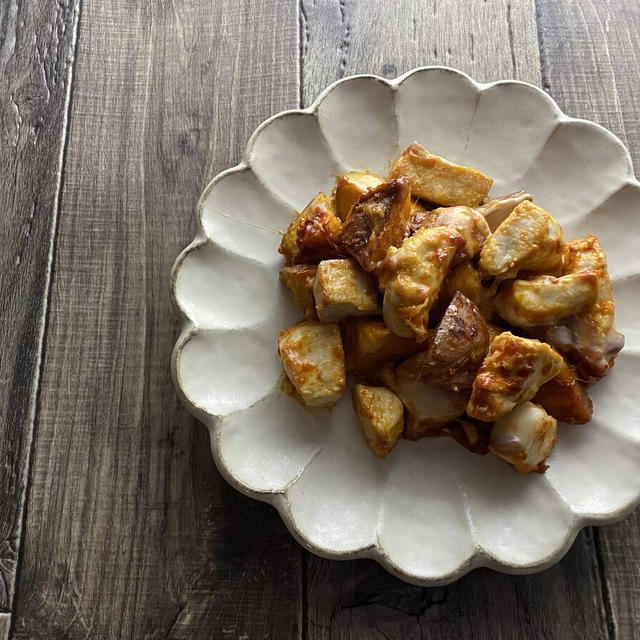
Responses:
[303,618]
[303,39]
[42,333]
[358,599]
[544,64]
[604,586]
[130,532]
[605,594]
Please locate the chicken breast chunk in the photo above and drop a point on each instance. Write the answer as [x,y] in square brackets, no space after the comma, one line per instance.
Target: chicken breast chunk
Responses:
[529,239]
[313,360]
[411,277]
[299,280]
[589,338]
[350,187]
[438,180]
[380,416]
[511,373]
[343,289]
[469,223]
[524,437]
[313,234]
[379,220]
[544,300]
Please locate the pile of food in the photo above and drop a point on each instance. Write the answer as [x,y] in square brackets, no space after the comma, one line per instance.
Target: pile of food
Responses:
[458,316]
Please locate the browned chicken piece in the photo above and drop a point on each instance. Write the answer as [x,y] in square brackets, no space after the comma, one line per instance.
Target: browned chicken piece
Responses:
[497,209]
[494,212]
[458,348]
[350,187]
[529,239]
[343,289]
[524,437]
[589,338]
[428,408]
[368,344]
[411,277]
[378,221]
[565,398]
[313,235]
[380,416]
[469,223]
[313,360]
[467,279]
[438,180]
[299,280]
[512,372]
[585,254]
[544,300]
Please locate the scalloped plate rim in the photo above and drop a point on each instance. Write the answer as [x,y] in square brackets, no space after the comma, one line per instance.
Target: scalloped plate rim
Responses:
[278,498]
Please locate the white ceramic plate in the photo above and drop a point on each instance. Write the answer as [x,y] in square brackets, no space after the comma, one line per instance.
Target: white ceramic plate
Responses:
[432,511]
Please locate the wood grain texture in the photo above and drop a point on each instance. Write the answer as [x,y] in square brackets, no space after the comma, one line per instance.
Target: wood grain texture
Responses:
[5,621]
[130,531]
[591,55]
[489,40]
[358,601]
[37,41]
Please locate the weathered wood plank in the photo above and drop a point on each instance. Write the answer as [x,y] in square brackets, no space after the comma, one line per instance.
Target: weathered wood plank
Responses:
[358,599]
[5,621]
[37,41]
[488,40]
[130,531]
[591,54]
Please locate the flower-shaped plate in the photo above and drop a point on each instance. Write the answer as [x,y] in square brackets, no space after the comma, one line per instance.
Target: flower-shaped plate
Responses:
[431,511]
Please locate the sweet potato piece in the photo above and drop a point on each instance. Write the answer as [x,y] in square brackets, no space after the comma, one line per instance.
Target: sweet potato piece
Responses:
[350,187]
[458,348]
[379,220]
[313,234]
[438,180]
[471,434]
[313,359]
[368,344]
[299,280]
[429,407]
[380,416]
[343,289]
[565,398]
[421,216]
[467,279]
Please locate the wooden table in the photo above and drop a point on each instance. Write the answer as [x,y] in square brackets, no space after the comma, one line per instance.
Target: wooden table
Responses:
[114,115]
